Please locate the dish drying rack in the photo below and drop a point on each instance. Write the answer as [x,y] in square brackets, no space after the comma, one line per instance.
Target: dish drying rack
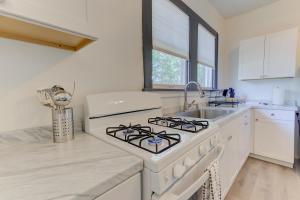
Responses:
[216,98]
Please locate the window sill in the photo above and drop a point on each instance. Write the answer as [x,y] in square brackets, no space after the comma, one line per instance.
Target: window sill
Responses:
[174,90]
[174,93]
[161,90]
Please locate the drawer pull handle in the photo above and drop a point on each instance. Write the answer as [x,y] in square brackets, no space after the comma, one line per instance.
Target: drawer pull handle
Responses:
[256,120]
[272,114]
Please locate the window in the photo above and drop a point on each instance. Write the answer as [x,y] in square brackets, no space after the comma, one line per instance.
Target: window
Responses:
[205,76]
[206,57]
[168,70]
[170,44]
[179,46]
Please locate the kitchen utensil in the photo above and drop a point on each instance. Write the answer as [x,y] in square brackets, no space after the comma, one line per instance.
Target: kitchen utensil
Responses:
[62,118]
[225,92]
[63,125]
[55,97]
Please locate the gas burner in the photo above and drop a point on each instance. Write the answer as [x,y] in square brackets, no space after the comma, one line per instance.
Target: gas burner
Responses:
[144,138]
[122,132]
[128,131]
[188,126]
[155,140]
[193,126]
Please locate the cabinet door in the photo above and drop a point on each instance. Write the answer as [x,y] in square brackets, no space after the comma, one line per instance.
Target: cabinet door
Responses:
[281,52]
[251,58]
[229,160]
[67,14]
[274,139]
[245,138]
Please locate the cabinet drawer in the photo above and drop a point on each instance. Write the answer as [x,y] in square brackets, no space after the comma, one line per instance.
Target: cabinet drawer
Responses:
[275,115]
[130,189]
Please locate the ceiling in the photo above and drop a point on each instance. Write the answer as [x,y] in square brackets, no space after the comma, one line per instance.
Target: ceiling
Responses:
[231,8]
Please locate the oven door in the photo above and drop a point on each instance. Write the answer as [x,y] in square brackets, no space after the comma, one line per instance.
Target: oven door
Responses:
[188,187]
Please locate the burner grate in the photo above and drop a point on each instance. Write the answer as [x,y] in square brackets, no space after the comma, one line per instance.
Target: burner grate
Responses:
[193,126]
[143,137]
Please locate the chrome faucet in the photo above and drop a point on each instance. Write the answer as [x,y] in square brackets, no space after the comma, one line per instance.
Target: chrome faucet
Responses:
[187,105]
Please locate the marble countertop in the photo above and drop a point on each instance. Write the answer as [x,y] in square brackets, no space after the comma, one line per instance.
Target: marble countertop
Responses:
[250,105]
[258,105]
[33,167]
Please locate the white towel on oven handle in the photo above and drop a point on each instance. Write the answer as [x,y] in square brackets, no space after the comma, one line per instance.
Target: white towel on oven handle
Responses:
[212,190]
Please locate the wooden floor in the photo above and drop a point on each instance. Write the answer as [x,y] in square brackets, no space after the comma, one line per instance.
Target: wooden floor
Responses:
[259,180]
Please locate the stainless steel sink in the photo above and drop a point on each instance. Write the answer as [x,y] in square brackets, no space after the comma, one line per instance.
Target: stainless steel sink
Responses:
[206,113]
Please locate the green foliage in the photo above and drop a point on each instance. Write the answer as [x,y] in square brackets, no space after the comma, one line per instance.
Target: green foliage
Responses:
[204,76]
[201,75]
[168,69]
[171,70]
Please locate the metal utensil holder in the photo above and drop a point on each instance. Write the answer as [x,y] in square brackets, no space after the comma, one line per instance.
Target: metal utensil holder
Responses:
[63,125]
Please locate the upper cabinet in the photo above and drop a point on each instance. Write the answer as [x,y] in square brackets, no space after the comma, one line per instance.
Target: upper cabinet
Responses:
[269,56]
[57,23]
[281,53]
[251,60]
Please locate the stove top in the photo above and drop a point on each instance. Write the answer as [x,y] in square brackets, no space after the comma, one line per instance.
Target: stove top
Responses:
[193,126]
[144,137]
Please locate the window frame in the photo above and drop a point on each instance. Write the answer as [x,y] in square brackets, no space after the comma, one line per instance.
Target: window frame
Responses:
[195,19]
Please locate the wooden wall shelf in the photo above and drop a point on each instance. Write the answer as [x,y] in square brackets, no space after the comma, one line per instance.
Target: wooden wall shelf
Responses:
[16,29]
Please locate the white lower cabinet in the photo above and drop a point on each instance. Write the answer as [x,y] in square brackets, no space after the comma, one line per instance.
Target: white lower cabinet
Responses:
[128,190]
[236,136]
[244,137]
[274,135]
[228,162]
[267,134]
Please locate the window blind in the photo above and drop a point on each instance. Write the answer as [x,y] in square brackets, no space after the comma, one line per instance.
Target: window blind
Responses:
[170,29]
[206,47]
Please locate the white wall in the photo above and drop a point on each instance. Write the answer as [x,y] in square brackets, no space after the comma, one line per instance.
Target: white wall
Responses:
[278,16]
[113,63]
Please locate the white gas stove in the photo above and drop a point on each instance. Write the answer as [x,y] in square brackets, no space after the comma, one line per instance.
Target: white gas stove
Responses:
[170,147]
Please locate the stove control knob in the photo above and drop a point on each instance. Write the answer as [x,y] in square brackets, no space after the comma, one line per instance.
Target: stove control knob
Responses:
[188,162]
[203,150]
[178,171]
[213,142]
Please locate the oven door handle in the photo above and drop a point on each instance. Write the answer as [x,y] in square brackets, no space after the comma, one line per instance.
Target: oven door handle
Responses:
[195,186]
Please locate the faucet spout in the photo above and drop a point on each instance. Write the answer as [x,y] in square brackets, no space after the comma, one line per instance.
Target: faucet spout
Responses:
[187,105]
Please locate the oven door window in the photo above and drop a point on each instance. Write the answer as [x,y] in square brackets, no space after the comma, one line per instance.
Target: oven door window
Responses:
[200,194]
